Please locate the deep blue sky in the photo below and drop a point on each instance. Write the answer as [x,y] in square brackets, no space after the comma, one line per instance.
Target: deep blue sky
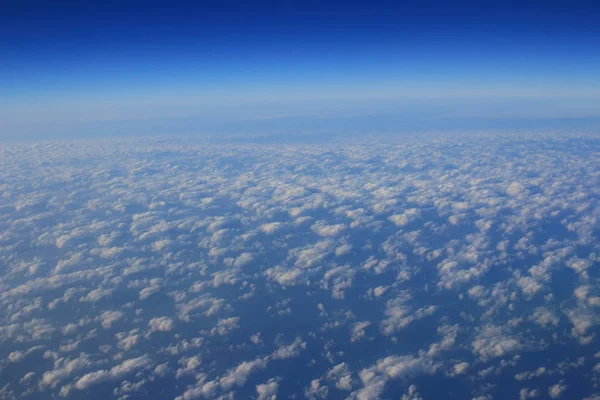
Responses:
[67,61]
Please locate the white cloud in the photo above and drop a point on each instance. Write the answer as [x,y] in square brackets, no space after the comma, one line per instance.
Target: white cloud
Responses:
[525,394]
[189,365]
[343,249]
[268,390]
[544,317]
[316,391]
[108,318]
[358,330]
[96,295]
[460,368]
[342,376]
[328,230]
[375,378]
[555,391]
[65,368]
[239,375]
[226,326]
[493,341]
[515,188]
[160,324]
[115,373]
[399,315]
[270,227]
[285,276]
[412,394]
[289,351]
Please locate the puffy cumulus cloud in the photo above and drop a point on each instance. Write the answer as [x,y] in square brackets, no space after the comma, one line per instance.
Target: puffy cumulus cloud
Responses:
[268,390]
[96,295]
[405,218]
[477,292]
[70,328]
[160,324]
[460,368]
[28,377]
[555,391]
[515,188]
[7,393]
[400,315]
[399,219]
[323,229]
[358,330]
[399,366]
[449,334]
[316,391]
[130,387]
[544,317]
[162,370]
[338,279]
[582,320]
[411,394]
[16,356]
[271,227]
[226,326]
[376,265]
[375,378]
[64,368]
[234,377]
[454,273]
[183,346]
[529,286]
[311,255]
[524,376]
[342,377]
[188,365]
[237,377]
[115,373]
[494,341]
[189,308]
[108,318]
[256,339]
[525,394]
[285,276]
[289,351]
[243,259]
[128,340]
[343,249]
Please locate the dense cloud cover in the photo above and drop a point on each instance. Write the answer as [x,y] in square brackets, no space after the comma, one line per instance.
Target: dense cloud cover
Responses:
[441,267]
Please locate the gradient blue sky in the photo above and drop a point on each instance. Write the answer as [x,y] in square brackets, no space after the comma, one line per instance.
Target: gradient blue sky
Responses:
[68,62]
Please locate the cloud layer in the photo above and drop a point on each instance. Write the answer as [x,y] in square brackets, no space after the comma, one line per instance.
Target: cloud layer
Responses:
[355,271]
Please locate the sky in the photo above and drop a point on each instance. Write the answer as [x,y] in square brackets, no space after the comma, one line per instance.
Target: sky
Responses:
[67,64]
